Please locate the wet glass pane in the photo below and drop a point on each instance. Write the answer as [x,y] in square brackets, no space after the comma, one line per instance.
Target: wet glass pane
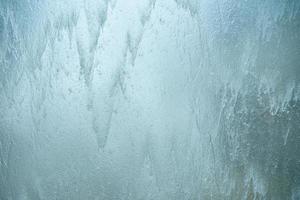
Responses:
[149,100]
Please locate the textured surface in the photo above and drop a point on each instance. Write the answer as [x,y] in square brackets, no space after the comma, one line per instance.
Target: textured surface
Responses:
[149,99]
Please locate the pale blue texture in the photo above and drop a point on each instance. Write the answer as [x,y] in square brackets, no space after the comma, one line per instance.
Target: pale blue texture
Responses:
[149,99]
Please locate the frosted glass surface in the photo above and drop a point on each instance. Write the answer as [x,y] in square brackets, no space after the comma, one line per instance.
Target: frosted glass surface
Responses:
[149,99]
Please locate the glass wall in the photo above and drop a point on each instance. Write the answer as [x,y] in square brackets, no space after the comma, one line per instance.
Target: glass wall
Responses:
[149,99]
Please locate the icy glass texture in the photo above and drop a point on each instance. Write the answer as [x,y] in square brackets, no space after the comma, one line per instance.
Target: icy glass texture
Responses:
[149,99]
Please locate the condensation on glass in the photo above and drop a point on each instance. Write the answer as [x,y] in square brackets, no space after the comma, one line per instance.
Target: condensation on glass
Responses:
[149,100]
